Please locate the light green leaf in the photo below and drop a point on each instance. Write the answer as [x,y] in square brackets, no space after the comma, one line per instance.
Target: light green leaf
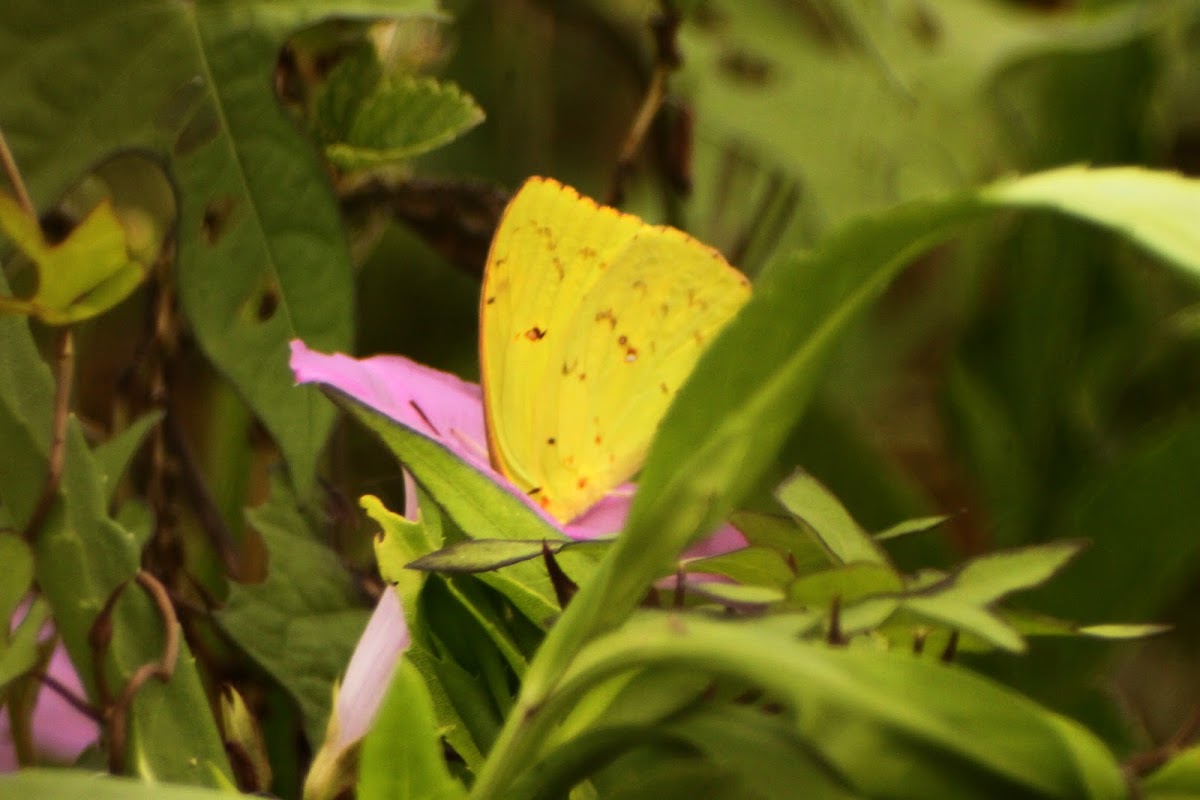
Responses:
[762,566]
[262,256]
[959,614]
[737,594]
[86,274]
[302,622]
[910,526]
[1153,208]
[403,118]
[847,583]
[813,504]
[73,784]
[402,754]
[114,455]
[1178,779]
[795,541]
[988,578]
[21,650]
[16,578]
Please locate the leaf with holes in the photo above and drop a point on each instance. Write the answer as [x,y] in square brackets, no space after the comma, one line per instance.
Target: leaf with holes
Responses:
[262,257]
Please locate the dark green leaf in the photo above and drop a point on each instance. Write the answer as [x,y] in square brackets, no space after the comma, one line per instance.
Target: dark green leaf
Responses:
[70,784]
[483,555]
[114,455]
[302,622]
[262,258]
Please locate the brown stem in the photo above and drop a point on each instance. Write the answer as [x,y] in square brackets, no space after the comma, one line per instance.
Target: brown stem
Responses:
[64,373]
[1145,763]
[14,177]
[665,26]
[117,714]
[73,700]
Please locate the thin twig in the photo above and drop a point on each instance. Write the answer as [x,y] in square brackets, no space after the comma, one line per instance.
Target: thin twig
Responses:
[667,59]
[1145,763]
[64,373]
[73,700]
[14,177]
[163,669]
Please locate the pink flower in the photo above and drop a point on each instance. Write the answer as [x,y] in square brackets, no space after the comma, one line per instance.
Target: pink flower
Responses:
[60,732]
[449,410]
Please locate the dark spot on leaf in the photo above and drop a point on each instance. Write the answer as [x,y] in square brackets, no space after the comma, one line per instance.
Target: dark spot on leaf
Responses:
[268,302]
[747,68]
[56,225]
[216,219]
[491,300]
[203,127]
[535,334]
[551,440]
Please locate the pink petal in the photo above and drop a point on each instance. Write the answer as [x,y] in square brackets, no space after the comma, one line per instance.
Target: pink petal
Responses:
[60,732]
[371,667]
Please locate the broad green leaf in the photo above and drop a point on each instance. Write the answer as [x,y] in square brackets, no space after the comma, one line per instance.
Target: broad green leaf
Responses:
[910,526]
[114,455]
[1150,207]
[882,720]
[302,622]
[86,274]
[82,557]
[262,257]
[814,505]
[403,118]
[401,757]
[74,784]
[764,750]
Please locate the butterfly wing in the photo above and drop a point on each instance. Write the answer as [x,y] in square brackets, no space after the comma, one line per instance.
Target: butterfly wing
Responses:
[590,321]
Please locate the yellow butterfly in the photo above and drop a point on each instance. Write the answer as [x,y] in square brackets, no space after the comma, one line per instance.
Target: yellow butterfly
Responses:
[590,319]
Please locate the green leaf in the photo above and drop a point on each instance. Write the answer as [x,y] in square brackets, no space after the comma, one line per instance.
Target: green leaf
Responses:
[847,583]
[302,622]
[17,576]
[763,750]
[1150,207]
[796,542]
[114,455]
[476,503]
[990,577]
[910,526]
[403,118]
[882,720]
[814,505]
[486,555]
[21,650]
[402,754]
[737,595]
[1178,779]
[86,274]
[82,557]
[760,566]
[262,257]
[73,784]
